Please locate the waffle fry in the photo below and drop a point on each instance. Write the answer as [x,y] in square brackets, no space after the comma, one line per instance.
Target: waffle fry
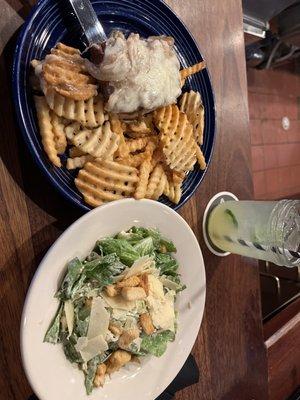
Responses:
[64,71]
[144,173]
[172,188]
[166,119]
[200,158]
[177,140]
[67,52]
[104,181]
[116,125]
[116,155]
[78,162]
[59,134]
[137,144]
[135,160]
[100,142]
[157,157]
[46,130]
[89,113]
[157,183]
[75,152]
[191,104]
[140,128]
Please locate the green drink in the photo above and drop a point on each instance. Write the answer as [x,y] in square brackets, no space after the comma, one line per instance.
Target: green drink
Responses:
[265,230]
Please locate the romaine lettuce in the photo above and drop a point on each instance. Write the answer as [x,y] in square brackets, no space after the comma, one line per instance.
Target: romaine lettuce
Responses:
[156,344]
[52,334]
[73,274]
[121,247]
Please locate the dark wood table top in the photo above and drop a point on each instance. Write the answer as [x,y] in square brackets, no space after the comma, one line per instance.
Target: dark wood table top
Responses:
[229,350]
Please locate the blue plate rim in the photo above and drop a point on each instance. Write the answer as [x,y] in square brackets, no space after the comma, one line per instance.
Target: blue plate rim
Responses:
[22,123]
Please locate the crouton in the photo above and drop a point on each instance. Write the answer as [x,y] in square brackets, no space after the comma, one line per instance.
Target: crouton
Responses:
[99,379]
[127,337]
[129,282]
[115,329]
[133,293]
[146,323]
[111,290]
[117,360]
[144,283]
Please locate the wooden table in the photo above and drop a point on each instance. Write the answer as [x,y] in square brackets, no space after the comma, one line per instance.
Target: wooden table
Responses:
[229,349]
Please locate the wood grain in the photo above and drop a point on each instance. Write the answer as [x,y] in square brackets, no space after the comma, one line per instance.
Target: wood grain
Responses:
[282,335]
[229,349]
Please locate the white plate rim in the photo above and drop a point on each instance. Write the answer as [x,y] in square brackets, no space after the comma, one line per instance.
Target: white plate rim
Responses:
[68,231]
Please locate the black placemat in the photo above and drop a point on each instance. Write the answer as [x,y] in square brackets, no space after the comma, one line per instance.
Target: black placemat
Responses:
[187,376]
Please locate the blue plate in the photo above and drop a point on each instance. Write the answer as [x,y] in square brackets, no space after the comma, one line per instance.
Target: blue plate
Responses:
[51,21]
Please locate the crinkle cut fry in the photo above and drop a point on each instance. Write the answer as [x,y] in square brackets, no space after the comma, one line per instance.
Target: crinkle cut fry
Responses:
[186,72]
[46,130]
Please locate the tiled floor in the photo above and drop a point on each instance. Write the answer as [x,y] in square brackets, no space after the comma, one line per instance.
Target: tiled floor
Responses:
[275,94]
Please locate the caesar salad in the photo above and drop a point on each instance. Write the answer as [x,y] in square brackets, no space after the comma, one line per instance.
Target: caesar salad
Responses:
[118,304]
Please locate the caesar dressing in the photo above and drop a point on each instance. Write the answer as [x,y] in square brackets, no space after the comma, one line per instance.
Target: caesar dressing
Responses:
[143,74]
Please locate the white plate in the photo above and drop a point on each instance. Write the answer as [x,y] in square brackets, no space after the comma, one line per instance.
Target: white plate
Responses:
[51,376]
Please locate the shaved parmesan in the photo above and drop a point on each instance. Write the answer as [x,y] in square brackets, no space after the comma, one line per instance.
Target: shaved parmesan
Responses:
[69,313]
[156,288]
[81,343]
[90,348]
[119,302]
[141,265]
[161,306]
[169,284]
[99,319]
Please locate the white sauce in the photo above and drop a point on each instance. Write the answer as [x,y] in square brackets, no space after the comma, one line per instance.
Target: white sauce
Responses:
[143,74]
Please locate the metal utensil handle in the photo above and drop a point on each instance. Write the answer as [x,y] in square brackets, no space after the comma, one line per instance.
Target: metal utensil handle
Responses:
[89,22]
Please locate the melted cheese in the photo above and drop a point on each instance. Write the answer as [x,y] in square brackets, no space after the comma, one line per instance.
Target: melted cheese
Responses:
[142,74]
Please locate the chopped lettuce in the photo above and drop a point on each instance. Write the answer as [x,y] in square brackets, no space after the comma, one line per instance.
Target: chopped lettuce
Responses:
[156,344]
[74,271]
[160,243]
[104,269]
[166,264]
[144,247]
[121,247]
[81,326]
[69,347]
[91,370]
[52,334]
[130,237]
[90,374]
